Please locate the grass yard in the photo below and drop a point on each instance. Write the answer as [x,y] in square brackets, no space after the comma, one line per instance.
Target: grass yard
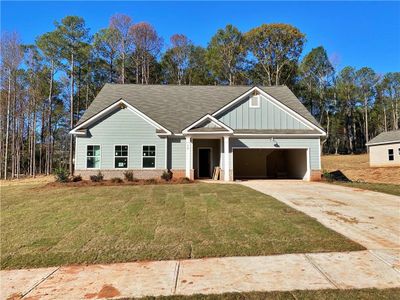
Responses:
[44,226]
[393,189]
[362,294]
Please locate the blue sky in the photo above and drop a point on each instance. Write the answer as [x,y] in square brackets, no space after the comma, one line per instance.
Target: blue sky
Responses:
[356,33]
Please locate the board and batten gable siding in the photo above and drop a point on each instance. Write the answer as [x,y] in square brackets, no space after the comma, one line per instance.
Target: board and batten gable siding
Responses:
[121,127]
[267,116]
[313,144]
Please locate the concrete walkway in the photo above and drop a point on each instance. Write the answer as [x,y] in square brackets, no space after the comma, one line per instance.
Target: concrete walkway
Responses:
[372,219]
[361,269]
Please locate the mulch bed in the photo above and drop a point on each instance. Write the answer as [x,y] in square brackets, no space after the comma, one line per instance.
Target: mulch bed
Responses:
[88,183]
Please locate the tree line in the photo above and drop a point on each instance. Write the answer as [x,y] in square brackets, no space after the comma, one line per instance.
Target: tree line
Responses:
[46,86]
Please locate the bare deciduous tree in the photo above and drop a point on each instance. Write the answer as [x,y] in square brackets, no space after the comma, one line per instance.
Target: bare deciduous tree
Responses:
[122,24]
[11,57]
[147,43]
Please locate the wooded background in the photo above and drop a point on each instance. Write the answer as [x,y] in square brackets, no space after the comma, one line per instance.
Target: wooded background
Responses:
[47,86]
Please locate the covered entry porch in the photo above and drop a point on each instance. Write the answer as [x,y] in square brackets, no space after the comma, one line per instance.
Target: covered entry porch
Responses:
[204,153]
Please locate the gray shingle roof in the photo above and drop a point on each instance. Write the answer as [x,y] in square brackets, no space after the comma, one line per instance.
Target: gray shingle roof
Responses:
[276,131]
[386,137]
[176,107]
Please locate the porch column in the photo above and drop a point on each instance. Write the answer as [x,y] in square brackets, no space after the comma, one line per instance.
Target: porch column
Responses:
[189,155]
[226,158]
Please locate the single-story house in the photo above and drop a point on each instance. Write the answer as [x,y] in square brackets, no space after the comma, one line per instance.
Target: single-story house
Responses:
[384,149]
[248,132]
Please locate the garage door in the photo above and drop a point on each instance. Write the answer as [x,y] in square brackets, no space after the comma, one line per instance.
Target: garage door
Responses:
[270,163]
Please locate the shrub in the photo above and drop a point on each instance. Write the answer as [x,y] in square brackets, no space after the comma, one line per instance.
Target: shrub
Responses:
[129,176]
[166,175]
[97,178]
[76,178]
[61,174]
[116,180]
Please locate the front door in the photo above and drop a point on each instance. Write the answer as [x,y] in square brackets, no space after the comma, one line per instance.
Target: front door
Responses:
[204,163]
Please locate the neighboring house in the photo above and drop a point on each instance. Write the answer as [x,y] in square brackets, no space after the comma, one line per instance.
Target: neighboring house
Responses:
[384,149]
[249,132]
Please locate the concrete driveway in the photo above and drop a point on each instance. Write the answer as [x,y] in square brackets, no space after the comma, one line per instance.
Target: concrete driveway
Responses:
[372,219]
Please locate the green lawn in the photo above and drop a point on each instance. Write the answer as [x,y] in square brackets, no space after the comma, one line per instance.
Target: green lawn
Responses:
[393,189]
[42,226]
[362,294]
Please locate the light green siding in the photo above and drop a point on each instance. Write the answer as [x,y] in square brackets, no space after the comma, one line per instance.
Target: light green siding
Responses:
[122,127]
[267,116]
[312,144]
[176,153]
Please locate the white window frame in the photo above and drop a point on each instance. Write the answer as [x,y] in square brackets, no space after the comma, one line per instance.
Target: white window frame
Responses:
[127,157]
[86,163]
[258,97]
[155,156]
[391,155]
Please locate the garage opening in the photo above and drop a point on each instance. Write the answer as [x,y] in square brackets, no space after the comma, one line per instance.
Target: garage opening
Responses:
[269,163]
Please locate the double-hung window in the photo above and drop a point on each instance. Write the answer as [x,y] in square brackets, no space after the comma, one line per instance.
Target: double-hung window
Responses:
[390,154]
[93,157]
[149,157]
[121,157]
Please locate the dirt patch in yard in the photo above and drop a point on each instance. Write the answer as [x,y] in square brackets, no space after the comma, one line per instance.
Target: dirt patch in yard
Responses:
[356,168]
[339,216]
[27,181]
[107,291]
[336,202]
[15,296]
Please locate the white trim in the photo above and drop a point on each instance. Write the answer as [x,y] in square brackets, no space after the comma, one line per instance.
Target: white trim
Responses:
[207,136]
[308,173]
[166,153]
[198,160]
[319,155]
[227,163]
[101,152]
[81,133]
[207,116]
[188,155]
[208,132]
[127,157]
[278,134]
[383,143]
[221,140]
[277,103]
[155,156]
[258,101]
[75,157]
[128,106]
[308,153]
